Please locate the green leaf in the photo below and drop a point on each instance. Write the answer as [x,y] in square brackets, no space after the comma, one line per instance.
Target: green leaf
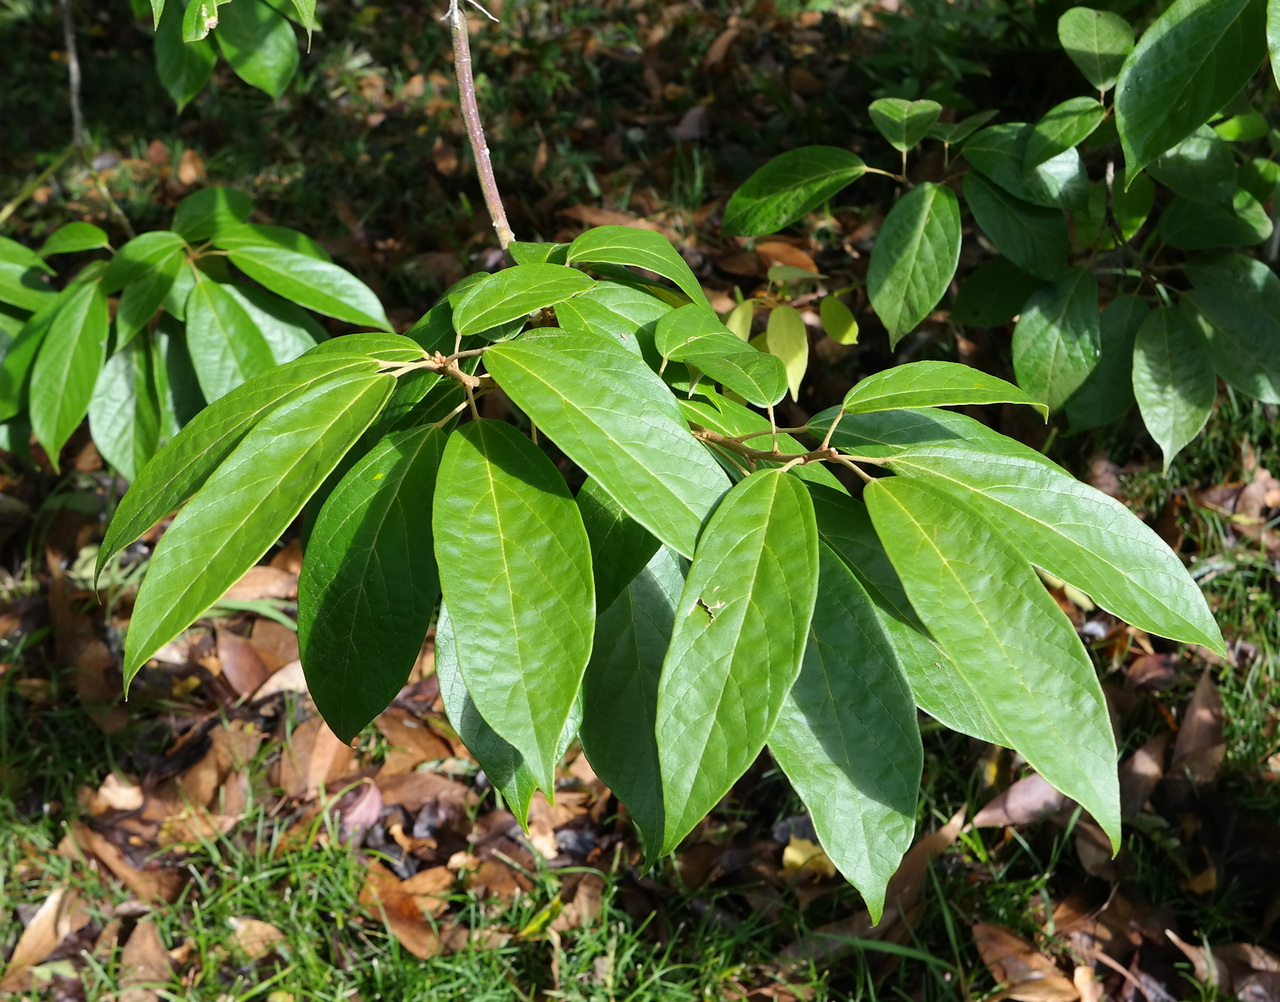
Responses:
[914,258]
[20,355]
[180,398]
[1129,207]
[183,68]
[259,44]
[225,344]
[255,235]
[837,320]
[956,132]
[1173,379]
[847,736]
[620,546]
[620,693]
[200,17]
[986,607]
[787,187]
[1260,178]
[1243,128]
[1200,167]
[124,412]
[1240,298]
[523,252]
[207,213]
[1273,37]
[627,314]
[139,256]
[1107,394]
[369,583]
[1000,153]
[1058,338]
[513,294]
[73,238]
[67,367]
[904,123]
[740,632]
[157,9]
[187,462]
[621,426]
[1097,41]
[1033,238]
[787,338]
[1063,126]
[515,568]
[1193,60]
[1191,225]
[12,252]
[637,249]
[22,286]
[143,296]
[246,503]
[932,384]
[289,330]
[695,336]
[993,294]
[306,10]
[317,285]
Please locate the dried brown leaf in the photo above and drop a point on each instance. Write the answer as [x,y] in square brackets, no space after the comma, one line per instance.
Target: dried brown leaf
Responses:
[59,915]
[144,964]
[1140,773]
[1029,799]
[412,741]
[1019,968]
[263,582]
[1199,749]
[156,883]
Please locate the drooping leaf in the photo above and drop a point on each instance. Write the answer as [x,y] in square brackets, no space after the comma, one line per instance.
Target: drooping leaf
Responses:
[788,187]
[847,736]
[369,583]
[695,336]
[124,413]
[838,321]
[1173,379]
[1097,41]
[993,294]
[67,366]
[914,258]
[289,331]
[1187,65]
[986,608]
[932,384]
[1063,126]
[1240,298]
[740,632]
[515,568]
[140,255]
[210,212]
[1033,238]
[73,238]
[317,285]
[787,338]
[622,426]
[513,294]
[21,286]
[1201,167]
[1107,394]
[200,18]
[246,503]
[620,693]
[12,252]
[259,44]
[1191,225]
[187,462]
[1058,338]
[183,67]
[1000,153]
[620,546]
[637,249]
[903,123]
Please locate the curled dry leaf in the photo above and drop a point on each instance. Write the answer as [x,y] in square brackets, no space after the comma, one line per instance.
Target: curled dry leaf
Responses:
[263,582]
[60,915]
[1199,748]
[407,904]
[1140,773]
[1231,967]
[153,884]
[315,757]
[1021,971]
[242,668]
[412,741]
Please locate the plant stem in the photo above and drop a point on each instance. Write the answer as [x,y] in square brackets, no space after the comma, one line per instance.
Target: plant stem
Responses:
[73,75]
[11,207]
[471,118]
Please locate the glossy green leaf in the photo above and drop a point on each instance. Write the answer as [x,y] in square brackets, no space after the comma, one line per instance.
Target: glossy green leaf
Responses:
[20,355]
[695,336]
[375,344]
[306,11]
[1129,208]
[1097,41]
[1200,167]
[1187,65]
[515,569]
[259,44]
[740,318]
[369,583]
[22,286]
[1190,225]
[637,249]
[523,252]
[1063,126]
[289,330]
[514,293]
[143,296]
[209,212]
[187,462]
[627,314]
[183,67]
[932,384]
[1058,338]
[620,546]
[1033,238]
[1273,37]
[246,503]
[67,366]
[847,736]
[124,412]
[993,294]
[12,252]
[1243,128]
[157,8]
[620,693]
[787,187]
[1000,153]
[740,632]
[317,285]
[788,339]
[180,398]
[1260,178]
[914,258]
[1173,379]
[225,344]
[904,123]
[984,604]
[838,321]
[1107,393]
[256,235]
[140,255]
[621,426]
[200,17]
[73,238]
[1239,298]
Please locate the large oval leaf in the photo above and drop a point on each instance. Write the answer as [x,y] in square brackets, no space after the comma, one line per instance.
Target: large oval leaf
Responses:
[183,67]
[246,504]
[124,414]
[622,426]
[932,384]
[1058,338]
[740,632]
[620,546]
[914,257]
[369,583]
[515,569]
[1240,298]
[695,336]
[259,44]
[67,366]
[1032,237]
[1173,379]
[1192,225]
[1107,394]
[628,314]
[317,285]
[986,607]
[788,187]
[847,736]
[225,344]
[1063,126]
[206,213]
[637,249]
[1000,153]
[1097,41]
[514,293]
